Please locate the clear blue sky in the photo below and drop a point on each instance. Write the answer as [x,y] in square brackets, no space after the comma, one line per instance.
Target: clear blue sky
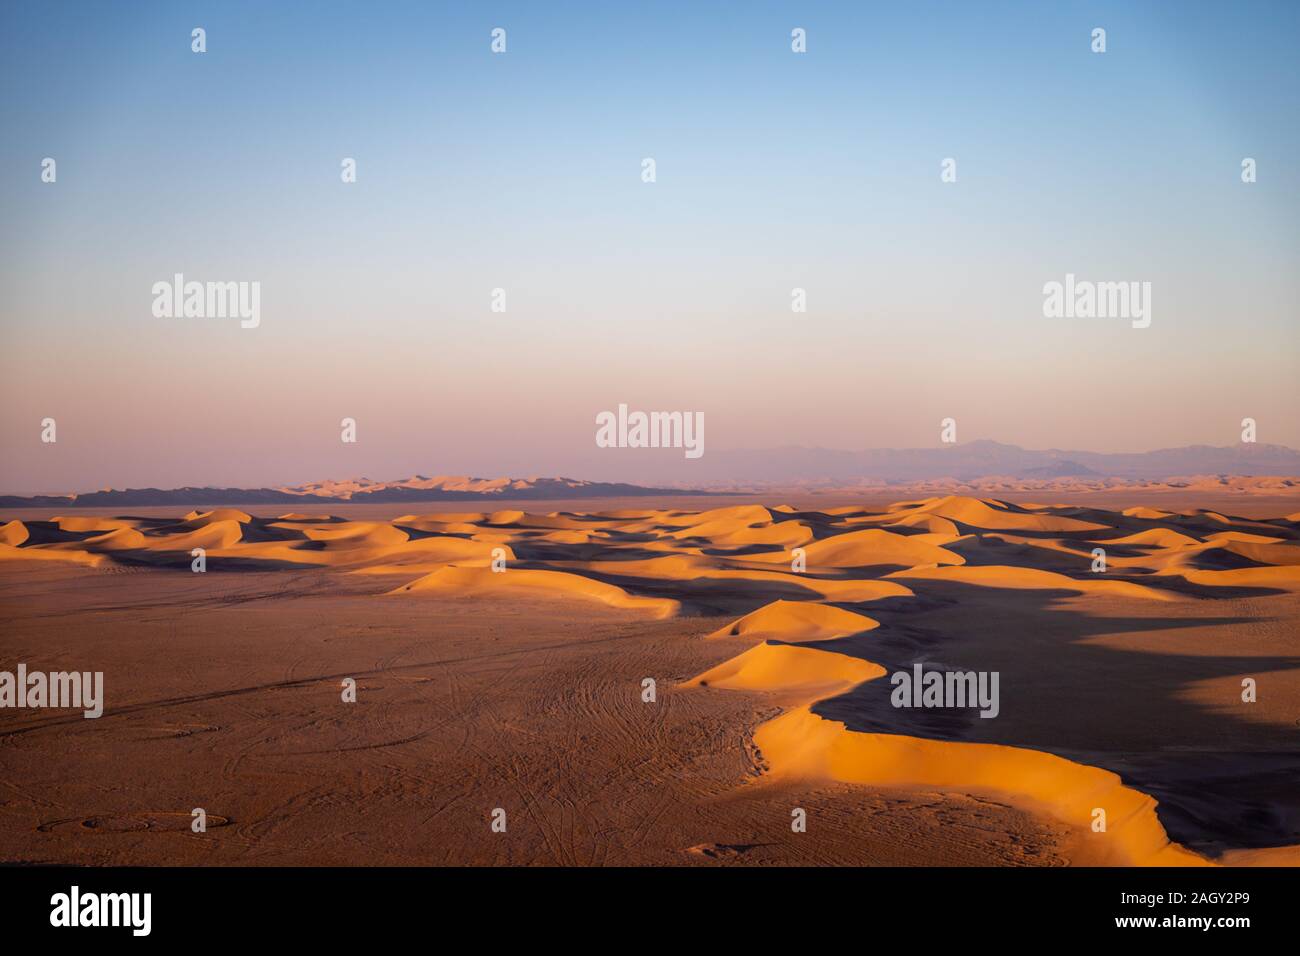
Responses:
[521,171]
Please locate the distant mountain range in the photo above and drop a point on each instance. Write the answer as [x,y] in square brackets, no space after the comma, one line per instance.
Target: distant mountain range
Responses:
[981,459]
[723,471]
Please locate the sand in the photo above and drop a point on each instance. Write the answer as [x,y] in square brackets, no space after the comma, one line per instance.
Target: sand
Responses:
[524,690]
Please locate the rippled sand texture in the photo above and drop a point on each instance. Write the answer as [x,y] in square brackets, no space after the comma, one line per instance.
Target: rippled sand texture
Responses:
[1120,691]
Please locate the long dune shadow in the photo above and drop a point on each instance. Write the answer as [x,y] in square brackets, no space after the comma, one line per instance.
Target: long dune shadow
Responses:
[558,554]
[1224,778]
[701,596]
[415,534]
[215,564]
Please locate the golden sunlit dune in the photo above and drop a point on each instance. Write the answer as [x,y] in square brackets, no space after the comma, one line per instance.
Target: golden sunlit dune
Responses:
[801,743]
[816,608]
[462,580]
[997,515]
[13,533]
[796,621]
[1153,538]
[873,547]
[788,667]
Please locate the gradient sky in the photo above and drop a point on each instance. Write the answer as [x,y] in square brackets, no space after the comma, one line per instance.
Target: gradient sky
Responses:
[522,171]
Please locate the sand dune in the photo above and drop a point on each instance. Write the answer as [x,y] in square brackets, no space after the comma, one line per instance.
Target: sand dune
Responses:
[13,533]
[803,744]
[873,547]
[797,620]
[787,667]
[998,515]
[862,605]
[1153,538]
[461,580]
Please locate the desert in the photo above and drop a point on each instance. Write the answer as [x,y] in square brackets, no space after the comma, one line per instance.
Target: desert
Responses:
[501,661]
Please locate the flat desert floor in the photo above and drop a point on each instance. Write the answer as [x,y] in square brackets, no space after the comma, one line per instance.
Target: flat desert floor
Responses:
[770,633]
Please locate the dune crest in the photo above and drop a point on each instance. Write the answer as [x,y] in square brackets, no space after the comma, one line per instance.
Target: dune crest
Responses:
[462,580]
[774,666]
[798,620]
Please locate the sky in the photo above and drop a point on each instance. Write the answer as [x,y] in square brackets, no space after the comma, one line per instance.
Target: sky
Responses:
[522,171]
